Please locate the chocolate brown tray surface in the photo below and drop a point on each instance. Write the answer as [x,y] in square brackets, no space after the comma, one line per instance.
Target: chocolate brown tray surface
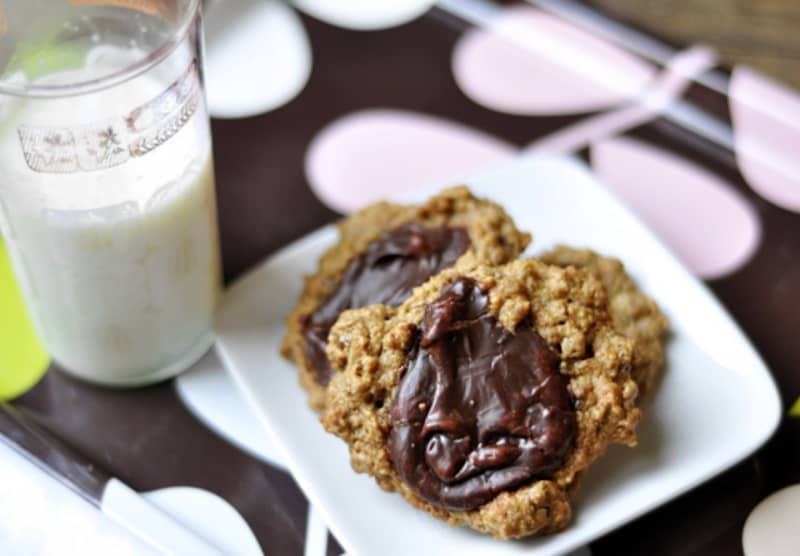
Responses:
[484,397]
[384,251]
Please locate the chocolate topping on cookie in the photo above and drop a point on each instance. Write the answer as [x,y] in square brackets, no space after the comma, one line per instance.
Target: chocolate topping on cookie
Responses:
[390,268]
[479,409]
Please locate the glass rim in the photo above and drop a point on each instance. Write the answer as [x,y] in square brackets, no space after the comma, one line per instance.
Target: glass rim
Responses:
[116,77]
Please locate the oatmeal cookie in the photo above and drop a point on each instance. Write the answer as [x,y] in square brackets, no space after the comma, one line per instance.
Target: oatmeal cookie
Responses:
[384,251]
[483,397]
[634,314]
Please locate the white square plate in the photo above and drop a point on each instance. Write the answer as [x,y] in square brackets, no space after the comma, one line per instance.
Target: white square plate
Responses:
[716,404]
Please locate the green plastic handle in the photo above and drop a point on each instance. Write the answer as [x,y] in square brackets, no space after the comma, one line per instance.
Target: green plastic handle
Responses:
[23,360]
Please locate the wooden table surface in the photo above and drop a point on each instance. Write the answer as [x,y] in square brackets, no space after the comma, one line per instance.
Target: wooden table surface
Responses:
[760,33]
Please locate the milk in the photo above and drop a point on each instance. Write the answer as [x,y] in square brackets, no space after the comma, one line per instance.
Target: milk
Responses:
[117,253]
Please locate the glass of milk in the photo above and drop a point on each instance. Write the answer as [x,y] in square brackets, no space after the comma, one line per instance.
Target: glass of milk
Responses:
[107,200]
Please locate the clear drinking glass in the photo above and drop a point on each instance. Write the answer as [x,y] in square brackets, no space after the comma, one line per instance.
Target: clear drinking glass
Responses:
[107,197]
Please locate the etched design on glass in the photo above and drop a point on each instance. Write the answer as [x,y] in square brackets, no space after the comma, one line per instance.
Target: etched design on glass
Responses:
[112,142]
[53,149]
